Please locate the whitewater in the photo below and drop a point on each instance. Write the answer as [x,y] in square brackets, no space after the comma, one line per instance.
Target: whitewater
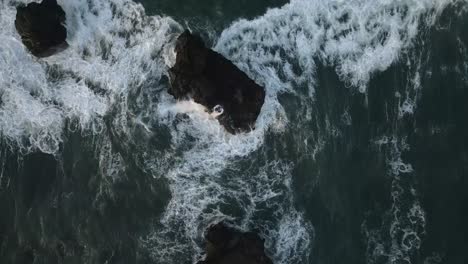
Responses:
[110,86]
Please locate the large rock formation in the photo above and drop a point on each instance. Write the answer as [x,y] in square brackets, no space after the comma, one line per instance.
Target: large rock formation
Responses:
[215,82]
[41,27]
[225,245]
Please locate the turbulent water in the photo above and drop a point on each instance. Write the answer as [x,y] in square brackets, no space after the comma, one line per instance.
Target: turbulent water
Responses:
[360,152]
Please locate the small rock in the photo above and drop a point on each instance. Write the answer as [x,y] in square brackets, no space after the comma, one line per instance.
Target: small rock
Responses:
[226,245]
[41,27]
[215,82]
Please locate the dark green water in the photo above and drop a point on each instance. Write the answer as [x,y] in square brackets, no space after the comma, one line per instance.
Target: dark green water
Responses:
[213,14]
[373,179]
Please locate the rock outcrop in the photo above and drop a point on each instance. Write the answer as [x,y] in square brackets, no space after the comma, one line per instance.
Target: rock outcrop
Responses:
[41,27]
[215,82]
[226,245]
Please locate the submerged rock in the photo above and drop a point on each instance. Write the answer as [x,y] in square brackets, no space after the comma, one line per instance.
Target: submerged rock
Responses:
[215,82]
[41,27]
[225,245]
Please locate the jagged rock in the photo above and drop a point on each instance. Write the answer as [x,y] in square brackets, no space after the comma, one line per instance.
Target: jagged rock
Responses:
[226,245]
[41,27]
[215,82]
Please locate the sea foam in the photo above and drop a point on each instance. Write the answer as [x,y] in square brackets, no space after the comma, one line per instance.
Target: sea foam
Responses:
[116,65]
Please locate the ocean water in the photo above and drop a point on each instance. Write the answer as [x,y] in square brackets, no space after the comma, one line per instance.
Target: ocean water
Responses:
[360,152]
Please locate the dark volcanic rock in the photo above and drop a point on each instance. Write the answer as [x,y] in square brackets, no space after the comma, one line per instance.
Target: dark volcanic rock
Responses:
[213,81]
[41,27]
[225,245]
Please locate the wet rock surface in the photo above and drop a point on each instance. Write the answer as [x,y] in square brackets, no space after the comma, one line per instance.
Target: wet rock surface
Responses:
[41,27]
[215,82]
[226,245]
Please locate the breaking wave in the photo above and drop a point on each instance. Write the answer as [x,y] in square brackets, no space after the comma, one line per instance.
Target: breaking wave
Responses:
[116,69]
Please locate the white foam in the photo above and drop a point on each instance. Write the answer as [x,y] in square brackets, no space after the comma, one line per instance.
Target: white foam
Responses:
[279,50]
[359,37]
[435,258]
[403,225]
[109,55]
[115,50]
[200,192]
